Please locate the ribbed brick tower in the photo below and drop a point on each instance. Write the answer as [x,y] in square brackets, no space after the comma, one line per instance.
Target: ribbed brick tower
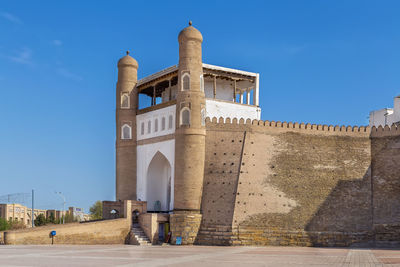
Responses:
[189,138]
[126,116]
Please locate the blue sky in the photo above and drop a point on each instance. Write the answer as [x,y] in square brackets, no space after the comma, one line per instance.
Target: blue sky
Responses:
[328,62]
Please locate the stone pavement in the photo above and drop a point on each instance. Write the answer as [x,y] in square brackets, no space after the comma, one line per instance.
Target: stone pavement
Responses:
[119,255]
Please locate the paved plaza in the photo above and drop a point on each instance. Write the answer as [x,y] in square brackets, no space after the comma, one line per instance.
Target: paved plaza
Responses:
[119,255]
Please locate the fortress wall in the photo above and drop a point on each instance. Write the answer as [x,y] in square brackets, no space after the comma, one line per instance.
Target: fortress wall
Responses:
[91,233]
[221,171]
[385,143]
[304,181]
[298,184]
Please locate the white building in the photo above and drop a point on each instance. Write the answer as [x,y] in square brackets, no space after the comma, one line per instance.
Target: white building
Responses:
[386,116]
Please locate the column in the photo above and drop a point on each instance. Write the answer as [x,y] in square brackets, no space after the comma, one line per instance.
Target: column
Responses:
[256,91]
[234,90]
[248,96]
[169,88]
[215,86]
[154,95]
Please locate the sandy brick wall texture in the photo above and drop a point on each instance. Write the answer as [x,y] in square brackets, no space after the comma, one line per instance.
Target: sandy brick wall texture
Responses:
[272,183]
[92,233]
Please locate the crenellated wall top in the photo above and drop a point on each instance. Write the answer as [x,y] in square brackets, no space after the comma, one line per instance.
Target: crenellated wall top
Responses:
[241,124]
[386,131]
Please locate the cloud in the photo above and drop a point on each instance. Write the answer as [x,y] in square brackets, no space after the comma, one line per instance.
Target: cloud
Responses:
[10,17]
[67,74]
[57,42]
[23,56]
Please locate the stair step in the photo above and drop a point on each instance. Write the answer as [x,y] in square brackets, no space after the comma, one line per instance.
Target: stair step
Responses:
[140,236]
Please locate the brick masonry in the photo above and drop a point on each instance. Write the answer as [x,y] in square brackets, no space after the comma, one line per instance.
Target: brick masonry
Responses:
[92,233]
[185,225]
[270,183]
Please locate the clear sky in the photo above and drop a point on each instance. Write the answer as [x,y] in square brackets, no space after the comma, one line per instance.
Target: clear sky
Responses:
[327,62]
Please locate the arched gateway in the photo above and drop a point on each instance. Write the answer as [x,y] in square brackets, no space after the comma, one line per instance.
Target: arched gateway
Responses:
[159,184]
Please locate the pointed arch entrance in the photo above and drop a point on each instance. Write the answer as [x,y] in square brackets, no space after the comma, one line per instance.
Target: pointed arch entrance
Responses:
[158,189]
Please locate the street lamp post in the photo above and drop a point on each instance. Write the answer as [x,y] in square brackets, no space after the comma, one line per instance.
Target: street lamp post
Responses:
[62,196]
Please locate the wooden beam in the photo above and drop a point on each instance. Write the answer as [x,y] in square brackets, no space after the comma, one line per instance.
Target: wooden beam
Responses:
[229,76]
[157,80]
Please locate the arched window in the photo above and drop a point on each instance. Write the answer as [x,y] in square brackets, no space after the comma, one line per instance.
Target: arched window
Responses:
[170,122]
[201,83]
[125,100]
[142,128]
[203,116]
[126,132]
[185,116]
[114,214]
[149,127]
[186,81]
[156,125]
[163,124]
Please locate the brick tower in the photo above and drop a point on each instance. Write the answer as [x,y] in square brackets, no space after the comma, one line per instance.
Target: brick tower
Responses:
[189,137]
[126,107]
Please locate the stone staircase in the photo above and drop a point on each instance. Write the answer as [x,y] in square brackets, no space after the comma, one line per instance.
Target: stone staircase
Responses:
[138,237]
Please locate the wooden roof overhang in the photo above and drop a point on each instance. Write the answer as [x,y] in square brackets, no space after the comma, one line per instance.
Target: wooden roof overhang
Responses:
[160,80]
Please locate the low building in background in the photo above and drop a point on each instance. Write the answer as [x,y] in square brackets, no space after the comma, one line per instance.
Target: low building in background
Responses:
[14,212]
[78,214]
[20,213]
[56,213]
[36,213]
[386,116]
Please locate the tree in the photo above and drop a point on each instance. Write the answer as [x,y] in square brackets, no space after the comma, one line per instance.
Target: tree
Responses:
[4,225]
[69,218]
[40,220]
[15,225]
[51,218]
[96,211]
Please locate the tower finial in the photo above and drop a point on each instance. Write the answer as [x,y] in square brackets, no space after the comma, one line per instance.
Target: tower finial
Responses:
[190,23]
[127,52]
